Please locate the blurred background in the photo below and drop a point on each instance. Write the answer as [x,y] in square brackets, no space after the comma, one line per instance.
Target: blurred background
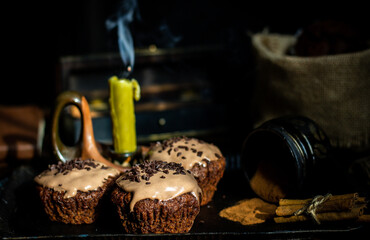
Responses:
[37,35]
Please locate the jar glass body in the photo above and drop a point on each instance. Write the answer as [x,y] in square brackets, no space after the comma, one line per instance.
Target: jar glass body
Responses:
[286,157]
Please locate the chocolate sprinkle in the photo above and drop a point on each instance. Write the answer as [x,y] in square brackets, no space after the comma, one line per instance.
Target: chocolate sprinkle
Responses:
[184,147]
[185,144]
[77,163]
[150,168]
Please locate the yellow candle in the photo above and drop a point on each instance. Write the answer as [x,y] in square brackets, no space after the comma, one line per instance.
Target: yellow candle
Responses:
[121,101]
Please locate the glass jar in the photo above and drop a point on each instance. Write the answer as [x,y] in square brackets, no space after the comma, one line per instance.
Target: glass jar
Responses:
[286,157]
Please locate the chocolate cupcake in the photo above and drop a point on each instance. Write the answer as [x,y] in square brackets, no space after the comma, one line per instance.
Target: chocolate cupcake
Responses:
[204,160]
[157,197]
[72,192]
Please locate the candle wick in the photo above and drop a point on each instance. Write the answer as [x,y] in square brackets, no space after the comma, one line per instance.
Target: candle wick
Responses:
[126,72]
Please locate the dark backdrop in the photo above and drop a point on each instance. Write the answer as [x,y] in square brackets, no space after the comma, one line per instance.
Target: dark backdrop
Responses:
[37,34]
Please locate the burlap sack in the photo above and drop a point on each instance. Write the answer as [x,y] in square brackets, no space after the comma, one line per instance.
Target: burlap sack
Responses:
[332,90]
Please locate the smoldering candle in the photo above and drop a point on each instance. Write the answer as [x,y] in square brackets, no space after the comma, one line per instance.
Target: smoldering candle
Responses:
[122,90]
[121,101]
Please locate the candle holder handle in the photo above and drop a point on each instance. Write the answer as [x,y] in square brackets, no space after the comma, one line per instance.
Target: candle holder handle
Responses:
[85,147]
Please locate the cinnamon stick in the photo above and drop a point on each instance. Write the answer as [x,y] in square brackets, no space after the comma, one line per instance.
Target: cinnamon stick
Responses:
[354,213]
[364,218]
[284,202]
[336,203]
[321,208]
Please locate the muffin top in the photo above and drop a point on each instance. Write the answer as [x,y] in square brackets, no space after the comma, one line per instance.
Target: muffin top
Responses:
[76,175]
[158,180]
[184,150]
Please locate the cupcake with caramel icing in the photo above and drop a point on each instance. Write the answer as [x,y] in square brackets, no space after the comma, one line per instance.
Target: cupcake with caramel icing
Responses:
[72,192]
[157,197]
[204,160]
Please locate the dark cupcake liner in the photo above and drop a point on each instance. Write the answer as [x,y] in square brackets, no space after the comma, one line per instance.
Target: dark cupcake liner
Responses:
[82,208]
[175,215]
